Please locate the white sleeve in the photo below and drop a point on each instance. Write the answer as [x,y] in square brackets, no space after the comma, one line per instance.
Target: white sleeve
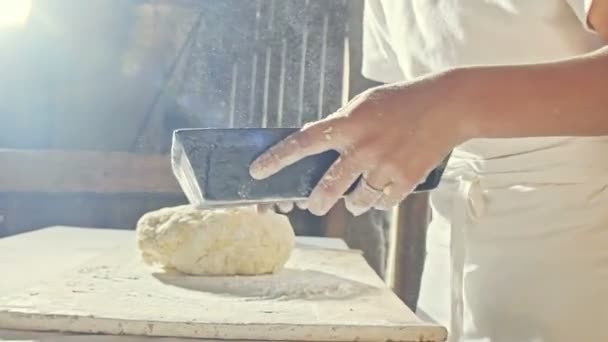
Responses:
[581,9]
[380,62]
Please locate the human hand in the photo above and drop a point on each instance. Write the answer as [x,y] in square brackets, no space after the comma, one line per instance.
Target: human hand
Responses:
[392,135]
[281,207]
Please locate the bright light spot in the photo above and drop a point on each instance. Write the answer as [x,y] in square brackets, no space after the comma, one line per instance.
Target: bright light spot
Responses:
[14,13]
[522,188]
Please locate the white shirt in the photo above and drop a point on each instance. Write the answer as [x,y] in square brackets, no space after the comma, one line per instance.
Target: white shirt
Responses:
[408,38]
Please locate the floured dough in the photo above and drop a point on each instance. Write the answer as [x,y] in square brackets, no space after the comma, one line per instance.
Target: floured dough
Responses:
[235,241]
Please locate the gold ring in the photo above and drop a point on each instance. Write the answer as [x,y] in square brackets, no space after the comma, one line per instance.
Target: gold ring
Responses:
[384,191]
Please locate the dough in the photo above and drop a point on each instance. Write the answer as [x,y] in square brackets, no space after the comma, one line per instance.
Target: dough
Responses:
[235,241]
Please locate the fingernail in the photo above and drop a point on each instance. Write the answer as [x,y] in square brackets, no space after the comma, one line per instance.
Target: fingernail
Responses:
[302,205]
[285,207]
[316,211]
[358,211]
[317,208]
[382,207]
[258,169]
[354,209]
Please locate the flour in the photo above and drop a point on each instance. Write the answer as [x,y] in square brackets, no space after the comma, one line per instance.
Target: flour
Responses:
[288,284]
[327,133]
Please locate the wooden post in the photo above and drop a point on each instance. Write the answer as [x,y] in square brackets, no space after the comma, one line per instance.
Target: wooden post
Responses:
[408,247]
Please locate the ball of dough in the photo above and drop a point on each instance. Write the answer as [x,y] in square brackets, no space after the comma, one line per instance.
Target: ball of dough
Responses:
[234,241]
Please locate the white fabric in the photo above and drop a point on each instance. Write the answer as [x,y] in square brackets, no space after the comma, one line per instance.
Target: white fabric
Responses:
[581,9]
[518,247]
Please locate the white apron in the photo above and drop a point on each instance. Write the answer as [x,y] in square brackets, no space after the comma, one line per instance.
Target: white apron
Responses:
[517,250]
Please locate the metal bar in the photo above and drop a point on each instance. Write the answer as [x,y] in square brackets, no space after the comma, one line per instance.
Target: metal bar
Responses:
[232,108]
[320,112]
[303,57]
[280,113]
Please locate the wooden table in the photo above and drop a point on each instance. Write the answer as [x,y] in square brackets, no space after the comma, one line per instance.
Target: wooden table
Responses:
[30,257]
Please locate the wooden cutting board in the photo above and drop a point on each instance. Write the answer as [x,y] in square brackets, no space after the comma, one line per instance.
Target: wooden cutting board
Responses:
[322,295]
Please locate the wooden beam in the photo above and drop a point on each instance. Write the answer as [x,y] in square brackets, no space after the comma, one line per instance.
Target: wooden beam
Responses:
[22,212]
[60,171]
[408,248]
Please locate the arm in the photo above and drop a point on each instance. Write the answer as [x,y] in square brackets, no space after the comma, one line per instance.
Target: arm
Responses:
[539,100]
[598,18]
[566,98]
[393,135]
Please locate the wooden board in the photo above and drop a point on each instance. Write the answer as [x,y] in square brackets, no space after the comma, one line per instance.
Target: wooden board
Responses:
[322,295]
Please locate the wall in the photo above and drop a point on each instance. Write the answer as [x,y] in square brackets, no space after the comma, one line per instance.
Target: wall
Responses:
[114,75]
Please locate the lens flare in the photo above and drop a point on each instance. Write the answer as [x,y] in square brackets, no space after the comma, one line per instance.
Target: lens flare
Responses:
[14,13]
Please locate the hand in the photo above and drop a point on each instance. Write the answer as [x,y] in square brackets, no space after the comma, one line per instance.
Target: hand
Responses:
[392,135]
[281,207]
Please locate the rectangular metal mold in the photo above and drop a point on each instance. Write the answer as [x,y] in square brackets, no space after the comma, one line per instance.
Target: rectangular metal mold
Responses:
[212,167]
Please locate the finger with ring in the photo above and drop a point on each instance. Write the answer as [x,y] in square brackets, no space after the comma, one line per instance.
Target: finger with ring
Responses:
[367,192]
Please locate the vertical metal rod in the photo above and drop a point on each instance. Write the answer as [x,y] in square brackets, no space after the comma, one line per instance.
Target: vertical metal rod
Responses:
[231,114]
[266,87]
[282,82]
[303,72]
[254,72]
[254,65]
[320,113]
[267,70]
[346,70]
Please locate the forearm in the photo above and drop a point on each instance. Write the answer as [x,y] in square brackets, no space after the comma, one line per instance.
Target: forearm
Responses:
[565,98]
